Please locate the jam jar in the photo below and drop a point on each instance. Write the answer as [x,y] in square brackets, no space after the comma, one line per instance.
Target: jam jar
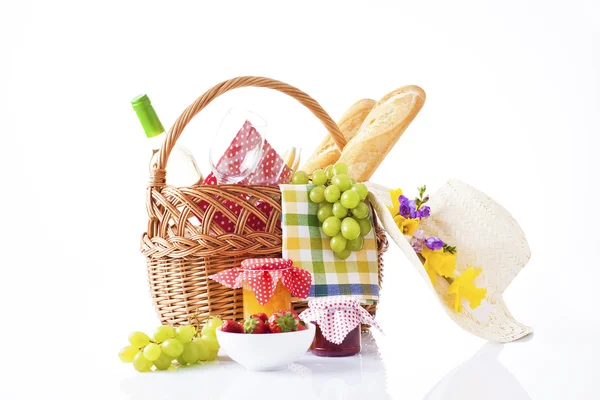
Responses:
[281,300]
[268,284]
[349,346]
[338,320]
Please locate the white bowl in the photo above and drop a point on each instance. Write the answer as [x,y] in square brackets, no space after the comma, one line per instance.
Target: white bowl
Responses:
[269,351]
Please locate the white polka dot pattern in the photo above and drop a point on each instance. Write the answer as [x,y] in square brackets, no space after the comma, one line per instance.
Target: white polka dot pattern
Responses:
[271,170]
[337,316]
[262,275]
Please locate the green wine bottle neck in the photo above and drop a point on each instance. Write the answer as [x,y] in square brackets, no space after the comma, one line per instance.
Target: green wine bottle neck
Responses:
[147,116]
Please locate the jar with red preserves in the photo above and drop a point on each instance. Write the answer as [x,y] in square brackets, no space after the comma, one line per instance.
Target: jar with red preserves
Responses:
[338,320]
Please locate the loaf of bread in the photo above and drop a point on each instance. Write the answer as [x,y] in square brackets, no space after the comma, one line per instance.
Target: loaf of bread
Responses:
[327,153]
[380,131]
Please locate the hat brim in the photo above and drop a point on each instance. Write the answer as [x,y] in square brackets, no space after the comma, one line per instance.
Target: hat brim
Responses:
[492,320]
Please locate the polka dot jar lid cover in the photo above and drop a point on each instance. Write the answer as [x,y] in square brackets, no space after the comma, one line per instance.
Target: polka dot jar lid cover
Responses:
[262,275]
[337,316]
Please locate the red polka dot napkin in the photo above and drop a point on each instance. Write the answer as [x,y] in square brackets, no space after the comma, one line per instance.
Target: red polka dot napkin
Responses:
[337,316]
[262,275]
[271,170]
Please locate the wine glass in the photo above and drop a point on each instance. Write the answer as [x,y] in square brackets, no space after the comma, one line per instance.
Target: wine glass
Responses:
[237,147]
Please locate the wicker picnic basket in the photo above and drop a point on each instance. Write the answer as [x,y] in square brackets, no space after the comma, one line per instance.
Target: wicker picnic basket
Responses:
[181,254]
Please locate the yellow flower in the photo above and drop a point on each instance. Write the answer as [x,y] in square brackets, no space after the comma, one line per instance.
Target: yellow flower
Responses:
[438,262]
[395,207]
[407,226]
[463,286]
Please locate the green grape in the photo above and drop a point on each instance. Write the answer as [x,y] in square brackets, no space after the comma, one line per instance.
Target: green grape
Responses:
[181,361]
[332,194]
[211,342]
[141,363]
[332,226]
[139,339]
[350,199]
[202,349]
[361,189]
[317,194]
[353,180]
[190,353]
[213,323]
[356,244]
[339,210]
[350,228]
[172,348]
[329,172]
[152,351]
[325,211]
[342,182]
[163,362]
[319,177]
[128,353]
[300,178]
[338,243]
[185,333]
[343,254]
[163,333]
[213,355]
[340,169]
[208,330]
[361,210]
[365,226]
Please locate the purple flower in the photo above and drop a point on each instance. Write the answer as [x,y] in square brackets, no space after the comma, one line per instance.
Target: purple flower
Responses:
[408,208]
[418,240]
[434,243]
[413,205]
[404,206]
[424,212]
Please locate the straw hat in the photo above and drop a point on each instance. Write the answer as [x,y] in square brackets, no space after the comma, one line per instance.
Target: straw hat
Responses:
[486,236]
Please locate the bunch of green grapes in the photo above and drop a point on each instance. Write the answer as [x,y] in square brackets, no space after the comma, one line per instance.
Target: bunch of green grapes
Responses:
[343,213]
[184,344]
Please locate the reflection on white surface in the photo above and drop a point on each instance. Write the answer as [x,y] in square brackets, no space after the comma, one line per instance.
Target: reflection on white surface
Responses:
[480,377]
[357,377]
[363,376]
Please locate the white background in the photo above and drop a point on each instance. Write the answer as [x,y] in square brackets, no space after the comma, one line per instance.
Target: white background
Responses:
[512,108]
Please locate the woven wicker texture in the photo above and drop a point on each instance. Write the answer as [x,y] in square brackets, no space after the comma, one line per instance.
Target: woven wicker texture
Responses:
[181,252]
[486,236]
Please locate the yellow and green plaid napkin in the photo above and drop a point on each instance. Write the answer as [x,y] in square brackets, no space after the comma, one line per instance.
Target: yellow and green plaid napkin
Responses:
[308,247]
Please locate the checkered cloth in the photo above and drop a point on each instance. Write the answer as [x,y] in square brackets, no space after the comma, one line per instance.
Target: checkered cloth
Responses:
[308,247]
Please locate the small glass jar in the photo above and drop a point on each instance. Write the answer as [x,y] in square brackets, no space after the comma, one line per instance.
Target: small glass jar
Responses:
[349,347]
[281,300]
[268,284]
[338,321]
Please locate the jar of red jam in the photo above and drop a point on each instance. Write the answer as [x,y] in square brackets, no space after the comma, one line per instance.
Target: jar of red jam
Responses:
[268,284]
[338,320]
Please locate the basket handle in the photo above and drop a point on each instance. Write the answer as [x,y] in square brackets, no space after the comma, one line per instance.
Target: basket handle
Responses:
[158,173]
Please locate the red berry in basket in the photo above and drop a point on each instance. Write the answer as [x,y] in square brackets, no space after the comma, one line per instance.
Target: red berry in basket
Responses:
[232,327]
[284,321]
[262,316]
[301,327]
[254,325]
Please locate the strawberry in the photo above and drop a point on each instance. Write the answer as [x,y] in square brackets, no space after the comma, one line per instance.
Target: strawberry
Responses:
[301,327]
[254,325]
[294,313]
[284,321]
[232,327]
[262,316]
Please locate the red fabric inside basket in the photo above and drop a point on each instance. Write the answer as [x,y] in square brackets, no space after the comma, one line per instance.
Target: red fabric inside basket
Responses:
[267,172]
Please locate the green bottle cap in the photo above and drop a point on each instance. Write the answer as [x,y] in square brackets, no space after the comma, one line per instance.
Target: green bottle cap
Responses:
[147,116]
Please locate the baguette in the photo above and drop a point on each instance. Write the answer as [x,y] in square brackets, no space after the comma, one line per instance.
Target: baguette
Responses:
[381,130]
[327,153]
